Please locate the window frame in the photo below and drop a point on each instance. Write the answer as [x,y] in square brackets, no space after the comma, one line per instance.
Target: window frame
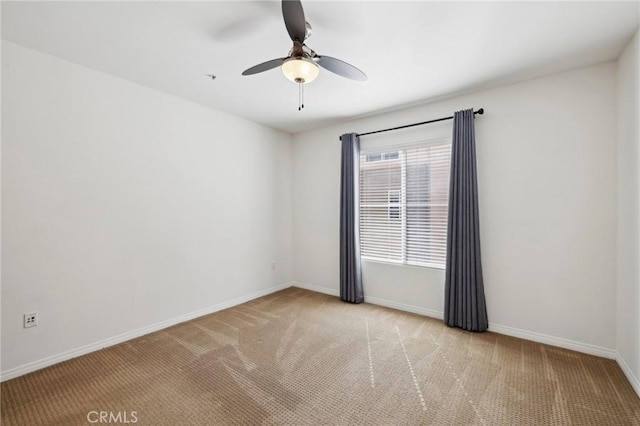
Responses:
[380,151]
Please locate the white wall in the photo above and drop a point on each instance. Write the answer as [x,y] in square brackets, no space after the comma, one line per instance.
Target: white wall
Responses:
[123,207]
[547,186]
[628,291]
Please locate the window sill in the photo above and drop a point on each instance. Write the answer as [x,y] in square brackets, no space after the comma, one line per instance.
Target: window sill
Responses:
[402,264]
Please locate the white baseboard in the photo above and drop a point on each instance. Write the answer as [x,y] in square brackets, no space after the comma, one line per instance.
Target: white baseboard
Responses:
[73,353]
[496,328]
[553,341]
[502,329]
[317,288]
[633,380]
[404,307]
[373,301]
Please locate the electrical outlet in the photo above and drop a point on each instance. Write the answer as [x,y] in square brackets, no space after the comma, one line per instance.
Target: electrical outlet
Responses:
[30,319]
[273,266]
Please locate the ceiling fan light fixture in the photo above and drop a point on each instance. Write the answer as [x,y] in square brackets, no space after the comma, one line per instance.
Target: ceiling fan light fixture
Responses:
[300,70]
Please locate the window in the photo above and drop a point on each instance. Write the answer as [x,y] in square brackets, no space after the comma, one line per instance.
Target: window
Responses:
[403,203]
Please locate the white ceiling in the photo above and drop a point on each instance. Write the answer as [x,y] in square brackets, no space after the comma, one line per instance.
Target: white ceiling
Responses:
[412,52]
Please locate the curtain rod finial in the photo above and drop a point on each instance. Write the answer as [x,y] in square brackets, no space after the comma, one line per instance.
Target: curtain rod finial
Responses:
[480,111]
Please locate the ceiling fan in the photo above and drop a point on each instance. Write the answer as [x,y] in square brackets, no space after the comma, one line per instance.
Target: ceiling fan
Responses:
[301,65]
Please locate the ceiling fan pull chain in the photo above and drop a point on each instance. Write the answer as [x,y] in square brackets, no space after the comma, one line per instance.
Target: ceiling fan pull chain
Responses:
[300,96]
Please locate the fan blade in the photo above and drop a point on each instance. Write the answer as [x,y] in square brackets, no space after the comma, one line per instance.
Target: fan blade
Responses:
[294,19]
[341,68]
[265,66]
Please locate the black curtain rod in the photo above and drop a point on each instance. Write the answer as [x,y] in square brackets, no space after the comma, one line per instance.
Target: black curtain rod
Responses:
[480,111]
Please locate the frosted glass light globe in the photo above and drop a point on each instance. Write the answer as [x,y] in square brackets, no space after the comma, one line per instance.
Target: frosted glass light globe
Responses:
[300,70]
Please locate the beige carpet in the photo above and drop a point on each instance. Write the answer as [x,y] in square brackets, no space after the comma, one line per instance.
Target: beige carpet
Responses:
[297,357]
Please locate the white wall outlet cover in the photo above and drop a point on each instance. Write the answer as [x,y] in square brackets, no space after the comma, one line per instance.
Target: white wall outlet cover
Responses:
[30,319]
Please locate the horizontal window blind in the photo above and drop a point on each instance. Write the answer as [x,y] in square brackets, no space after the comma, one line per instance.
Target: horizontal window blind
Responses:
[403,203]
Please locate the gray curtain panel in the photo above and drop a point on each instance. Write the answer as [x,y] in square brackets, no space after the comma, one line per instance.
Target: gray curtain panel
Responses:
[350,267]
[464,302]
